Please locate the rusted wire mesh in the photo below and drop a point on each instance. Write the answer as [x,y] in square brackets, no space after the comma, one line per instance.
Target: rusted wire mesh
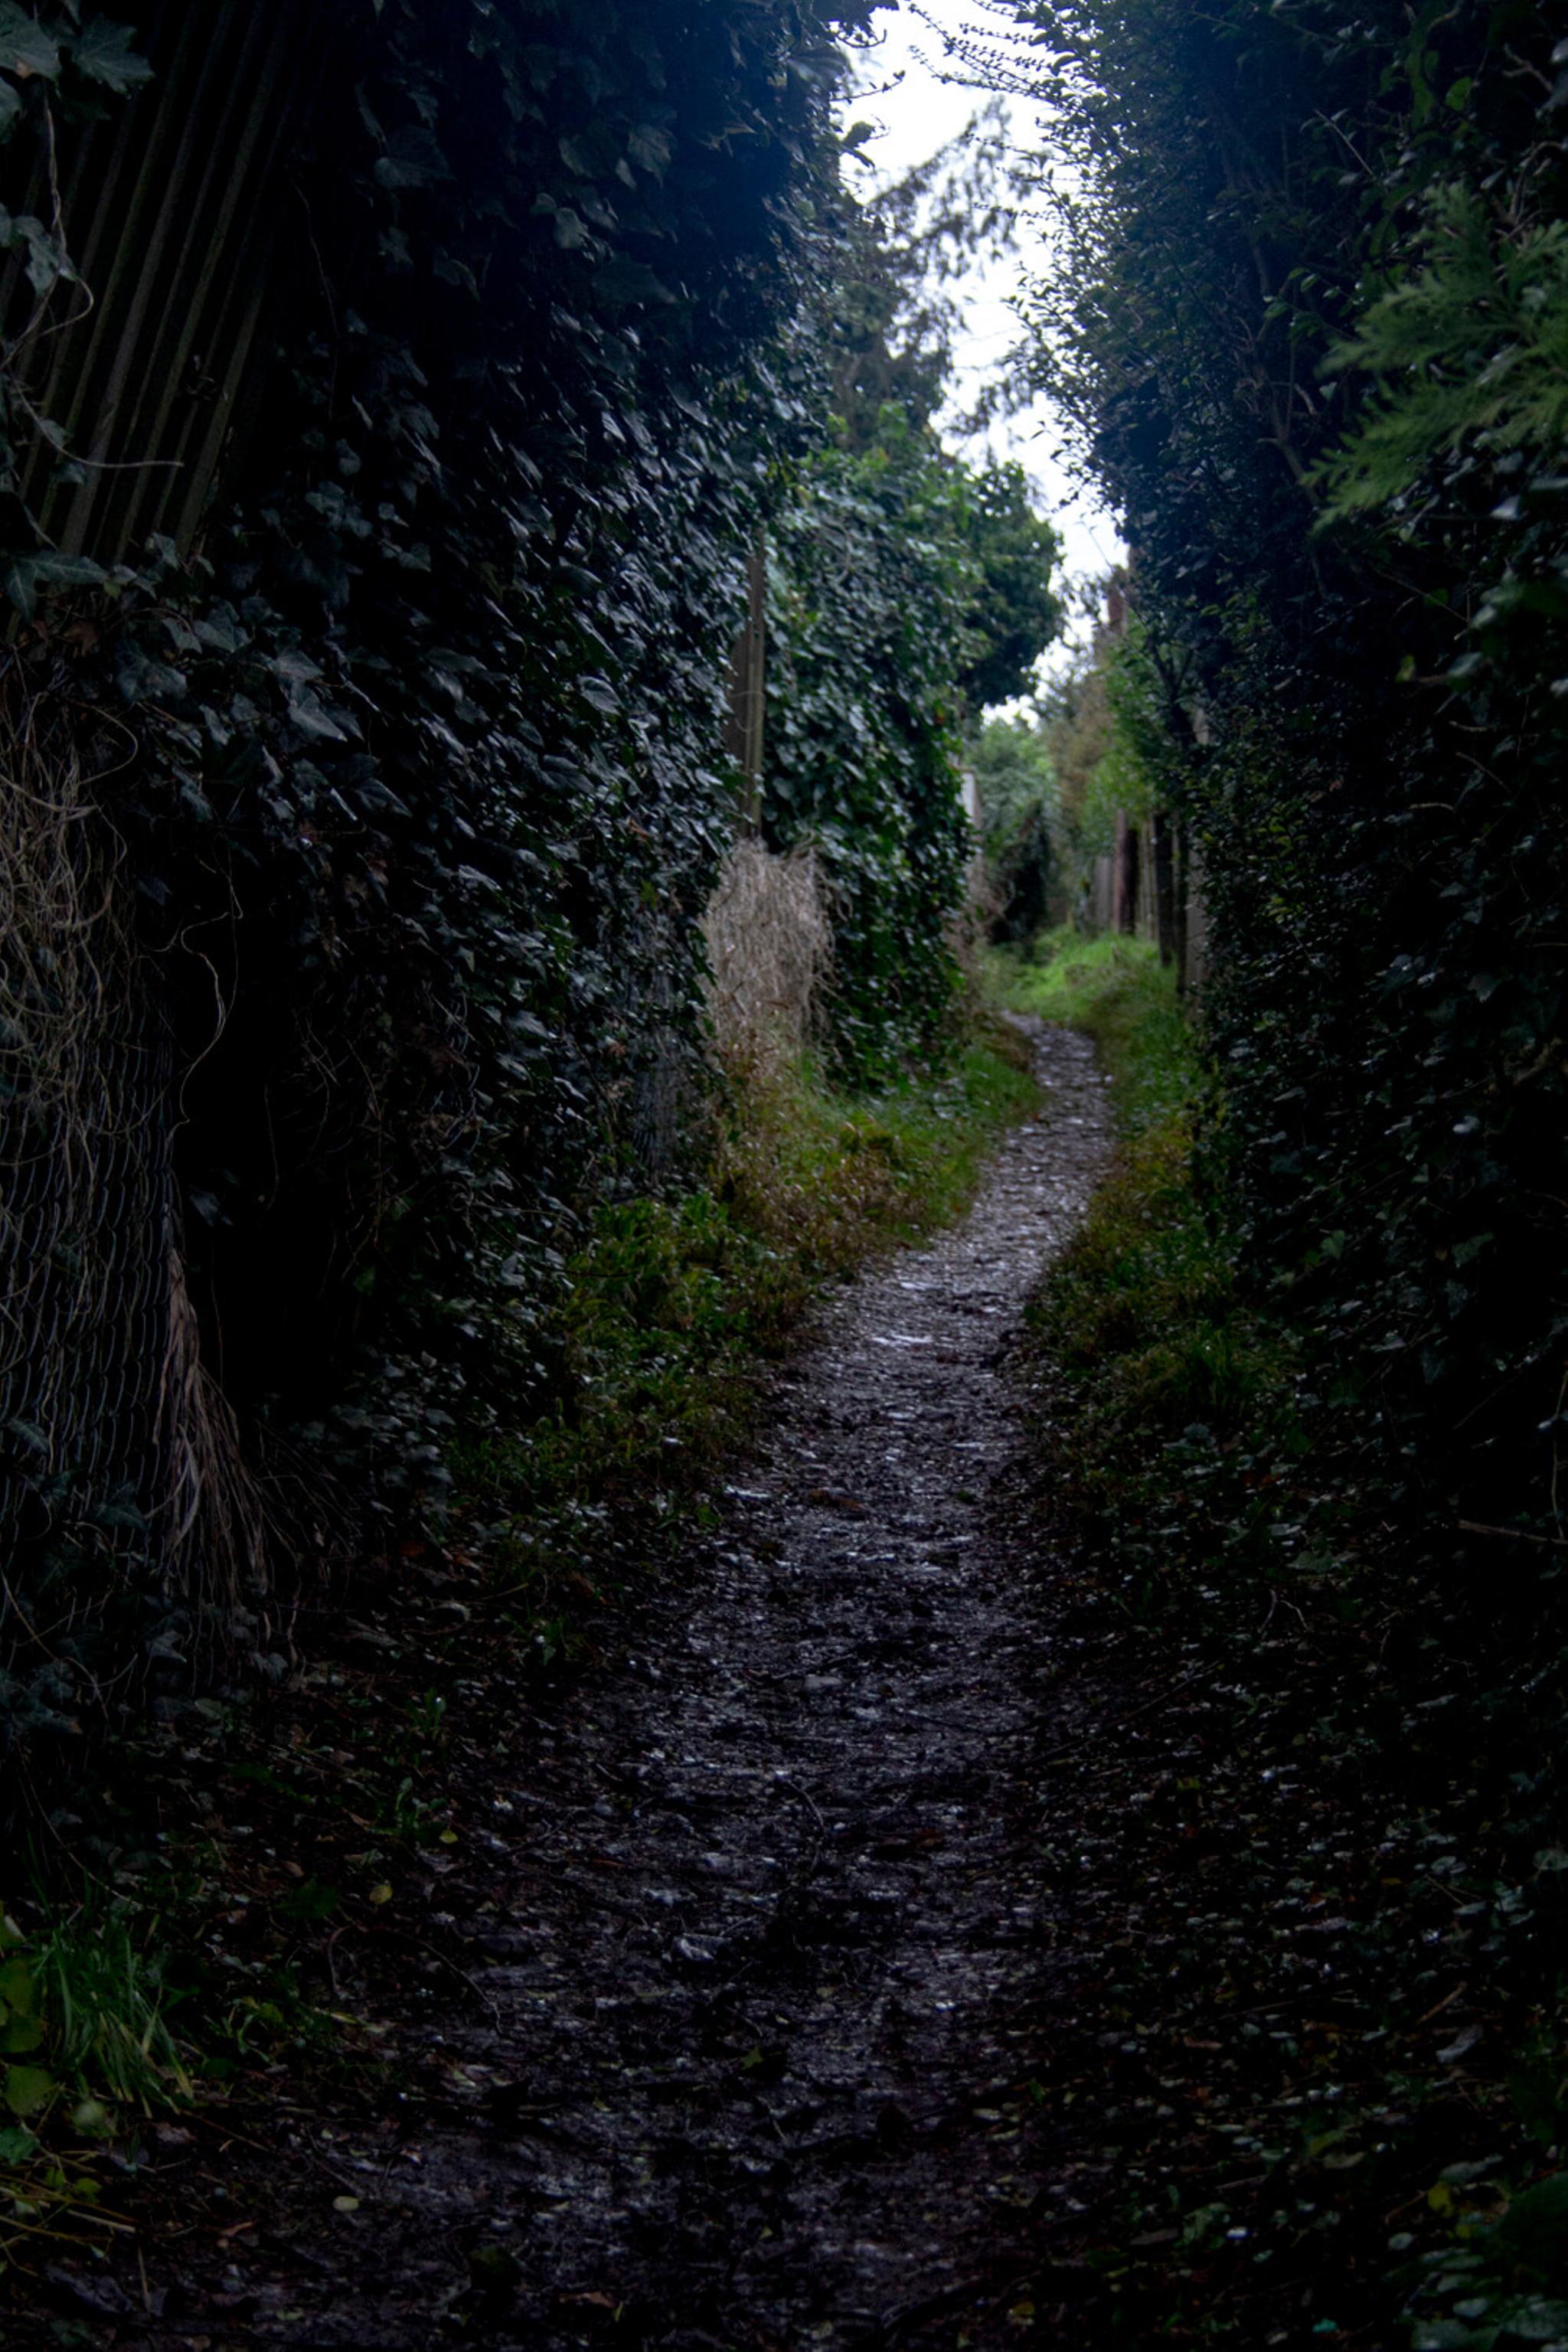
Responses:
[124,1510]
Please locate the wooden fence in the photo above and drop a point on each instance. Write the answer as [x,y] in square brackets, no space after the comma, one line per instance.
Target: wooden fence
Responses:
[1150,886]
[181,216]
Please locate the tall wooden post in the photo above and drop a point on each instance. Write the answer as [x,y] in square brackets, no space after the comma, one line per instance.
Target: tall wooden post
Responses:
[1163,828]
[1183,883]
[748,681]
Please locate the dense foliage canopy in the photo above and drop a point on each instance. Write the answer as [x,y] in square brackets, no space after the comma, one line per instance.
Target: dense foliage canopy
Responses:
[1311,343]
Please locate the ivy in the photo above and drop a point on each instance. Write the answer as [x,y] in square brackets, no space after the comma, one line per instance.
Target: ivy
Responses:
[872,581]
[426,785]
[1312,357]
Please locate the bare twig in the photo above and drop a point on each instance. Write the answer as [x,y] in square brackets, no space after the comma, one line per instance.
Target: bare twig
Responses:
[1512,1534]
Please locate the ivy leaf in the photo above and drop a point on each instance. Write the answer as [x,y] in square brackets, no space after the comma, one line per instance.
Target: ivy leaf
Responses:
[621,281]
[312,718]
[25,575]
[27,2088]
[412,160]
[47,260]
[650,147]
[16,1987]
[103,52]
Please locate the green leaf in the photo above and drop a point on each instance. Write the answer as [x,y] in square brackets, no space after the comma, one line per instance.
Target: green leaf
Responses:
[103,52]
[1534,2230]
[25,47]
[47,260]
[22,577]
[20,2035]
[67,571]
[27,2088]
[18,1988]
[312,718]
[412,160]
[650,147]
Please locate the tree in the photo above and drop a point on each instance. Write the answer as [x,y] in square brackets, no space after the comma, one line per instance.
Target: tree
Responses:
[1311,346]
[1014,612]
[906,587]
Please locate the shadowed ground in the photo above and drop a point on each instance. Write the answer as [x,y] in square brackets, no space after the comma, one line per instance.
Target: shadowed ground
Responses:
[750,2063]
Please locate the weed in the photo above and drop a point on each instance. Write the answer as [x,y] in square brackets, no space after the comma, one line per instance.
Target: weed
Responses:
[1117,989]
[84,2005]
[1179,1394]
[674,1304]
[82,2030]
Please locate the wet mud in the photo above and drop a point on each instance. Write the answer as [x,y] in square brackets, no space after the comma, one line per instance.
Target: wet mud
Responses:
[744,2056]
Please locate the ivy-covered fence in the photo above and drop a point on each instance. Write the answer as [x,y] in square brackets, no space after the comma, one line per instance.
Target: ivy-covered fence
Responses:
[172,151]
[455,373]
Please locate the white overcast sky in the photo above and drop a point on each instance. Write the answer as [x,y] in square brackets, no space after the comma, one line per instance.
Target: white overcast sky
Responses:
[917,112]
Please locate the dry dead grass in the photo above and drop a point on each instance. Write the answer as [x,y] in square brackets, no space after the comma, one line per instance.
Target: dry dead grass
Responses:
[130,1453]
[770,947]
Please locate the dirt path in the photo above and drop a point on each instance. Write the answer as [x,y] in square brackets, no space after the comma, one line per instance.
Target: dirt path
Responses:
[749,2065]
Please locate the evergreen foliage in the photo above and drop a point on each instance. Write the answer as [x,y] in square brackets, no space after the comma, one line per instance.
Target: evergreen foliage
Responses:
[910,589]
[1313,352]
[1022,830]
[417,772]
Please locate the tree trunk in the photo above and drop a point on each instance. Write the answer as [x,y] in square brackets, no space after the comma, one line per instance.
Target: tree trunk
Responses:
[1128,848]
[1183,868]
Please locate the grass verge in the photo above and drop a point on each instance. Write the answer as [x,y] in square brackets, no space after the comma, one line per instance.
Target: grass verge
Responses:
[1171,1384]
[1312,1994]
[673,1307]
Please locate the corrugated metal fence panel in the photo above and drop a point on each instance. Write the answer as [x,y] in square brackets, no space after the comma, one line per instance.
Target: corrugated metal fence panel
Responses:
[179,214]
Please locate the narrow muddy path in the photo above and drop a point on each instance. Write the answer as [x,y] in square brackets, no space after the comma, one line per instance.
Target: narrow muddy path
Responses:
[747,2060]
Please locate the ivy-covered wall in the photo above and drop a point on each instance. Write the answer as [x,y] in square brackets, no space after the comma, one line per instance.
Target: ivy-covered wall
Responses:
[408,767]
[872,580]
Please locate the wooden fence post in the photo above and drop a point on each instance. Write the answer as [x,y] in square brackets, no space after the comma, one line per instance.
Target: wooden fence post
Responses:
[748,681]
[1128,858]
[1179,927]
[1163,829]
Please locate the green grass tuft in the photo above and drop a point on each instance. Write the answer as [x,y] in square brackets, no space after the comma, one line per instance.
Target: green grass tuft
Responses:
[1117,989]
[1176,1397]
[674,1306]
